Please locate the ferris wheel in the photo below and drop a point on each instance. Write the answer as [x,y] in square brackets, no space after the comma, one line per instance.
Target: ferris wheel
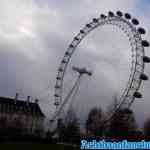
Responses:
[130,27]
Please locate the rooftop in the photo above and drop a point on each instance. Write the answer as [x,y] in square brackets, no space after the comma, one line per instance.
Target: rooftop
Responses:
[20,105]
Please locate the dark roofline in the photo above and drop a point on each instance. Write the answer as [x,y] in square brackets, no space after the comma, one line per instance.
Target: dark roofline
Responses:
[11,101]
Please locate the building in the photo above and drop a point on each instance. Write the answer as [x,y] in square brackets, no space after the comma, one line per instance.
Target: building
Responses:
[23,115]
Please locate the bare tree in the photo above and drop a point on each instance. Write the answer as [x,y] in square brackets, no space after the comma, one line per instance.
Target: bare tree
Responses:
[69,128]
[122,124]
[94,123]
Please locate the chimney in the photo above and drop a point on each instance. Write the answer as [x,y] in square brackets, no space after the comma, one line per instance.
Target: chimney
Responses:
[16,98]
[28,100]
[36,101]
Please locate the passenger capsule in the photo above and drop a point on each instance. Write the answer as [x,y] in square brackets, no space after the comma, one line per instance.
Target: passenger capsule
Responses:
[60,69]
[135,21]
[82,31]
[76,38]
[71,46]
[137,95]
[56,95]
[57,86]
[102,16]
[88,25]
[141,30]
[95,20]
[90,73]
[145,43]
[52,120]
[58,78]
[143,77]
[127,16]
[110,14]
[64,61]
[119,13]
[67,53]
[146,59]
[56,103]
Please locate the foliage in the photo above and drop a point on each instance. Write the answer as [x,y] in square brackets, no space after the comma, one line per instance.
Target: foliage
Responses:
[122,125]
[69,128]
[94,122]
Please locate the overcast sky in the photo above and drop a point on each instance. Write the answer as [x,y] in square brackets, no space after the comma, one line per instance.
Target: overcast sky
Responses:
[34,34]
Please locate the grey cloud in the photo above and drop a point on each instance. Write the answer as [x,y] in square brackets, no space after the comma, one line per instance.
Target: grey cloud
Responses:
[29,63]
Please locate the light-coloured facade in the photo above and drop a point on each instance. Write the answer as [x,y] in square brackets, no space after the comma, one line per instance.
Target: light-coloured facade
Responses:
[24,115]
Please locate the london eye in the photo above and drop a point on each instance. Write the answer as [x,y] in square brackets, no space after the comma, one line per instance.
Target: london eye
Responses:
[131,28]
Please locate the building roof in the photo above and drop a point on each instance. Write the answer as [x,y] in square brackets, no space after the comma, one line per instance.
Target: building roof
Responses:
[20,106]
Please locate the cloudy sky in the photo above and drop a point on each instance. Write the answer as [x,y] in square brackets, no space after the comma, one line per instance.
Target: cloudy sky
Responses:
[34,35]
